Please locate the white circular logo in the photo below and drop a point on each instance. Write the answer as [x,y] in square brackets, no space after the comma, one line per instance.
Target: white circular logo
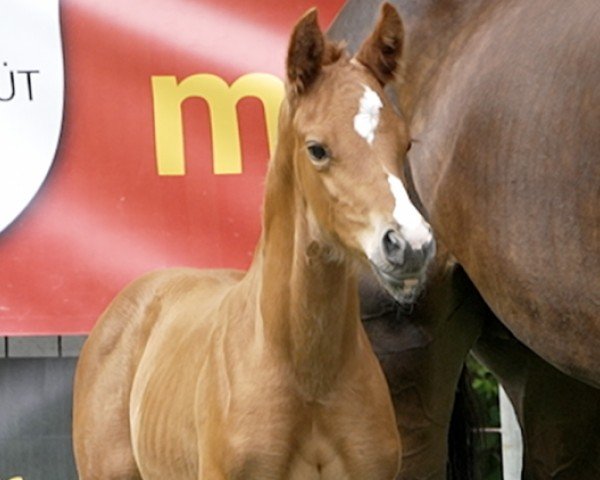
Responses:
[31,100]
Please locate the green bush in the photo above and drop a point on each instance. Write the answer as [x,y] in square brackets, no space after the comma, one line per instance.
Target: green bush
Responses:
[489,451]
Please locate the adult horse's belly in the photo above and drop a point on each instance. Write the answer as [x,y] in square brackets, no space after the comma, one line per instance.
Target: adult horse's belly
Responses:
[508,165]
[538,276]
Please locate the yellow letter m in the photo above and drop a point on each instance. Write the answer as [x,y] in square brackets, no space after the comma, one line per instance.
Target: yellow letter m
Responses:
[222,99]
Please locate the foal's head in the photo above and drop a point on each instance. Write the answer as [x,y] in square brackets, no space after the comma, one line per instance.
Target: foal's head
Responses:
[348,148]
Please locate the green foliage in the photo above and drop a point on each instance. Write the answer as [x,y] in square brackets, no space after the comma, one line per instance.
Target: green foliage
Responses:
[486,387]
[489,453]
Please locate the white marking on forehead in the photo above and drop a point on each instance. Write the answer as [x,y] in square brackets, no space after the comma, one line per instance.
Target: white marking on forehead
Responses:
[367,118]
[413,226]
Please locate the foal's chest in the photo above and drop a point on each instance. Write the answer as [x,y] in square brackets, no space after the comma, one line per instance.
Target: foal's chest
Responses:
[315,460]
[314,449]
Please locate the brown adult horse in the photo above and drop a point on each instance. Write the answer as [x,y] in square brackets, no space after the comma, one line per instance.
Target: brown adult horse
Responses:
[268,374]
[503,104]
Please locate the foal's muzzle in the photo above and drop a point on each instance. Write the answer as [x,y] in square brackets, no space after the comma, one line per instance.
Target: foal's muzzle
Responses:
[404,258]
[401,266]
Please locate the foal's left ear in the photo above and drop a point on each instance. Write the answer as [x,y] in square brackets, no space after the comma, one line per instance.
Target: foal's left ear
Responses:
[381,52]
[308,52]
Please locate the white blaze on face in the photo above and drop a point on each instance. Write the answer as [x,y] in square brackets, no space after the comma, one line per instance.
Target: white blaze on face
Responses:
[367,118]
[413,227]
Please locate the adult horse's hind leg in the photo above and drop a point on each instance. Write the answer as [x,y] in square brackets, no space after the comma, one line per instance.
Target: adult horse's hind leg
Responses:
[101,431]
[559,415]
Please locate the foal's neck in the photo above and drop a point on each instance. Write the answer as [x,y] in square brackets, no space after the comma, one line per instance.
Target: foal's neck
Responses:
[308,298]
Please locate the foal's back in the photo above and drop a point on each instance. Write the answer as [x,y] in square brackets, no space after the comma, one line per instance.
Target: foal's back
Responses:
[158,324]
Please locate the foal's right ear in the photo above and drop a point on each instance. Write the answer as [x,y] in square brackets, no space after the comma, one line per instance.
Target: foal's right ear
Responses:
[305,53]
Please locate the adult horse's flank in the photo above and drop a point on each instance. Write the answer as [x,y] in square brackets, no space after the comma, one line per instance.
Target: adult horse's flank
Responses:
[268,374]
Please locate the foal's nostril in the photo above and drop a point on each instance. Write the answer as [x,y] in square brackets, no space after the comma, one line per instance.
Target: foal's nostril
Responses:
[394,247]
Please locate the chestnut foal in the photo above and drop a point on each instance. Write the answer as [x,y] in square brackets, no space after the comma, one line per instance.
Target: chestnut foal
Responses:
[268,374]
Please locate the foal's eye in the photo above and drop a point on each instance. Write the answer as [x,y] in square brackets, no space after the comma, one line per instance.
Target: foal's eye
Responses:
[318,153]
[409,146]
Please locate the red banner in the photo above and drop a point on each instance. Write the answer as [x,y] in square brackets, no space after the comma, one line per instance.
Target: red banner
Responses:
[169,111]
